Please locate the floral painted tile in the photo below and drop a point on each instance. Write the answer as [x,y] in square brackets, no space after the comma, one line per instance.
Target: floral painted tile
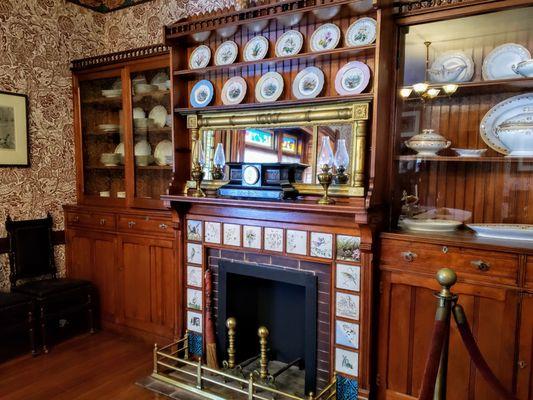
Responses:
[321,245]
[194,321]
[348,248]
[194,276]
[348,277]
[212,232]
[347,334]
[232,235]
[297,242]
[251,236]
[274,239]
[194,299]
[194,230]
[346,362]
[347,305]
[194,253]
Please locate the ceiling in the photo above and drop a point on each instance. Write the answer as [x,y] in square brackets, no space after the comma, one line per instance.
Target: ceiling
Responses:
[105,6]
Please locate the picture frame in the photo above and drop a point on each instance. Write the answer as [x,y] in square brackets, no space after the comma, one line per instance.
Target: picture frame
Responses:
[14,140]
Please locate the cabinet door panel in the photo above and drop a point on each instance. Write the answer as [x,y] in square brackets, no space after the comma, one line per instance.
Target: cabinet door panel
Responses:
[137,296]
[105,277]
[79,256]
[525,355]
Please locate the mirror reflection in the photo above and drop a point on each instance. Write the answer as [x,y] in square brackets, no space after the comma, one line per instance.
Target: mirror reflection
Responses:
[278,145]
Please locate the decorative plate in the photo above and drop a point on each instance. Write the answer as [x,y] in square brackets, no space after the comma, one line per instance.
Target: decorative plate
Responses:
[361,33]
[431,225]
[200,57]
[269,87]
[226,53]
[326,37]
[256,49]
[159,116]
[234,90]
[162,151]
[202,93]
[120,150]
[503,231]
[501,113]
[289,44]
[308,83]
[353,78]
[498,64]
[452,66]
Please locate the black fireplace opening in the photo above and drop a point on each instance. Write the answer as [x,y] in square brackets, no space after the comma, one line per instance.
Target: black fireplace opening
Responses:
[284,301]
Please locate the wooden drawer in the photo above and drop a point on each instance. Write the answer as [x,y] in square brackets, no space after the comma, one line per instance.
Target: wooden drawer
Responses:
[140,224]
[90,220]
[468,263]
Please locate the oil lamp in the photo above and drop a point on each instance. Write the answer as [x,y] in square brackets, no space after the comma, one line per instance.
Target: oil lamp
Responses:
[325,162]
[341,161]
[197,172]
[219,160]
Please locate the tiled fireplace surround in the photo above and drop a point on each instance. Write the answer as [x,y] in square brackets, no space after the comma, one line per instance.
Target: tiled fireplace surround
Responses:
[335,258]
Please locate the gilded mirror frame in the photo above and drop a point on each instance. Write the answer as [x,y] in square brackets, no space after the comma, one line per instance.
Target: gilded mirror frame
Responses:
[355,114]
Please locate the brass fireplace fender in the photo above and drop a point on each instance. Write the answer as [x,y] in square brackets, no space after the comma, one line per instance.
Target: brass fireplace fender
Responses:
[354,113]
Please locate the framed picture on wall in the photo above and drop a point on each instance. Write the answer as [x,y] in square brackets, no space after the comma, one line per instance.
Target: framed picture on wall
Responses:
[13,130]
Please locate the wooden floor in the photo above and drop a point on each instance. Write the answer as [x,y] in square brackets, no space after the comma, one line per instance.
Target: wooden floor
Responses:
[89,367]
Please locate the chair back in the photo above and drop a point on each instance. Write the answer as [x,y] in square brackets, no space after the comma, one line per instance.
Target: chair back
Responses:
[31,252]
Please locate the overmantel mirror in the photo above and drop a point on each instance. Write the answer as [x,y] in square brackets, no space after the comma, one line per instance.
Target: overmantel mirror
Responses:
[284,135]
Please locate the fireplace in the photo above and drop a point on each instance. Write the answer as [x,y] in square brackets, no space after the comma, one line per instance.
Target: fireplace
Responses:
[283,300]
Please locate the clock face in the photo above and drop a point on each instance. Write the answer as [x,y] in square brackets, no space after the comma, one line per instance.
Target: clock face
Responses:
[250,175]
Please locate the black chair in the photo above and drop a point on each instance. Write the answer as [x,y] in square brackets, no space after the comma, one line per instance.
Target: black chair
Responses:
[33,273]
[17,327]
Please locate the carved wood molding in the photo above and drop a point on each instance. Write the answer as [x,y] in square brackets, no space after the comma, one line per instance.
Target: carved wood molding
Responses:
[122,56]
[406,8]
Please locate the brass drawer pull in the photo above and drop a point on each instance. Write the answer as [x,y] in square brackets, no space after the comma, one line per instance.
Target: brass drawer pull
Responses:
[102,221]
[522,364]
[481,265]
[409,256]
[131,224]
[163,226]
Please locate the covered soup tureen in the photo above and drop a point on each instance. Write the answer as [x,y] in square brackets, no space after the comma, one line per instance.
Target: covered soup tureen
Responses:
[428,143]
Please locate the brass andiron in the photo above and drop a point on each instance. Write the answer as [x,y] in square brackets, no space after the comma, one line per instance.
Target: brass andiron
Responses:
[325,178]
[231,324]
[197,174]
[262,332]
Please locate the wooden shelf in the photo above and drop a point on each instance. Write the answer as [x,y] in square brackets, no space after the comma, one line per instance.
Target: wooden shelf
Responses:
[154,167]
[156,94]
[121,167]
[291,102]
[497,159]
[105,167]
[273,60]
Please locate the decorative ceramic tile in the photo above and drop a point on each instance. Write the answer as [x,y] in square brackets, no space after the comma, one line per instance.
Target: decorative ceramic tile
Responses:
[194,230]
[212,232]
[194,276]
[347,334]
[348,277]
[321,245]
[297,242]
[194,321]
[347,305]
[347,389]
[232,235]
[194,253]
[252,237]
[348,248]
[346,362]
[195,344]
[194,299]
[274,239]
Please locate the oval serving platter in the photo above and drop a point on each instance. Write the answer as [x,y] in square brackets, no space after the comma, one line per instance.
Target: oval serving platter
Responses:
[499,62]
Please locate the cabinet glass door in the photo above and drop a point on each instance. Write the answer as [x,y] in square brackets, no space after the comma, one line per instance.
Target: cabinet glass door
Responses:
[152,134]
[102,137]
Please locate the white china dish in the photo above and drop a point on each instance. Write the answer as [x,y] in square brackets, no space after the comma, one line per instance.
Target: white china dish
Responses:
[110,159]
[227,31]
[289,44]
[469,152]
[138,112]
[503,231]
[112,93]
[142,148]
[524,68]
[308,83]
[234,91]
[120,151]
[159,116]
[141,123]
[143,88]
[494,127]
[430,225]
[256,49]
[161,80]
[361,33]
[361,6]
[269,87]
[200,57]
[452,66]
[427,143]
[290,19]
[226,53]
[162,151]
[325,37]
[202,93]
[325,14]
[109,128]
[168,121]
[499,62]
[138,79]
[257,26]
[199,37]
[352,78]
[144,160]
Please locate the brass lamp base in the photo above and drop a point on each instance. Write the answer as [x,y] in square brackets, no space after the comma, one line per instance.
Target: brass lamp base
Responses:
[197,174]
[341,177]
[325,178]
[217,173]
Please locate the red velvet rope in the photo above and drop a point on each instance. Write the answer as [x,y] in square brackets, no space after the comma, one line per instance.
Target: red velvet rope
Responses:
[476,356]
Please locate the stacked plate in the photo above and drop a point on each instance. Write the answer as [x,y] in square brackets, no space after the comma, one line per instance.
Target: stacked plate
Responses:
[109,128]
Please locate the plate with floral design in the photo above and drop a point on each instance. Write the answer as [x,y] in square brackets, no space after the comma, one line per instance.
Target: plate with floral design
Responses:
[361,33]
[326,37]
[289,44]
[200,57]
[308,83]
[256,49]
[353,78]
[202,93]
[226,53]
[234,90]
[269,87]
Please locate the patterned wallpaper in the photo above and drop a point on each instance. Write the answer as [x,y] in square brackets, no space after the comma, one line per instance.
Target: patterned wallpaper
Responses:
[38,38]
[106,5]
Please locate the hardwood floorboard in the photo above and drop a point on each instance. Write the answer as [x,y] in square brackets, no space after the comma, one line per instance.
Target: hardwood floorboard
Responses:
[87,367]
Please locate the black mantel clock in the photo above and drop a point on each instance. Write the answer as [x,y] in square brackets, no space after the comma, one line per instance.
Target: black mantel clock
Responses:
[272,181]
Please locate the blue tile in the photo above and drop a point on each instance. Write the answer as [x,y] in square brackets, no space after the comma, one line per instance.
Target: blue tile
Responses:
[347,389]
[195,344]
